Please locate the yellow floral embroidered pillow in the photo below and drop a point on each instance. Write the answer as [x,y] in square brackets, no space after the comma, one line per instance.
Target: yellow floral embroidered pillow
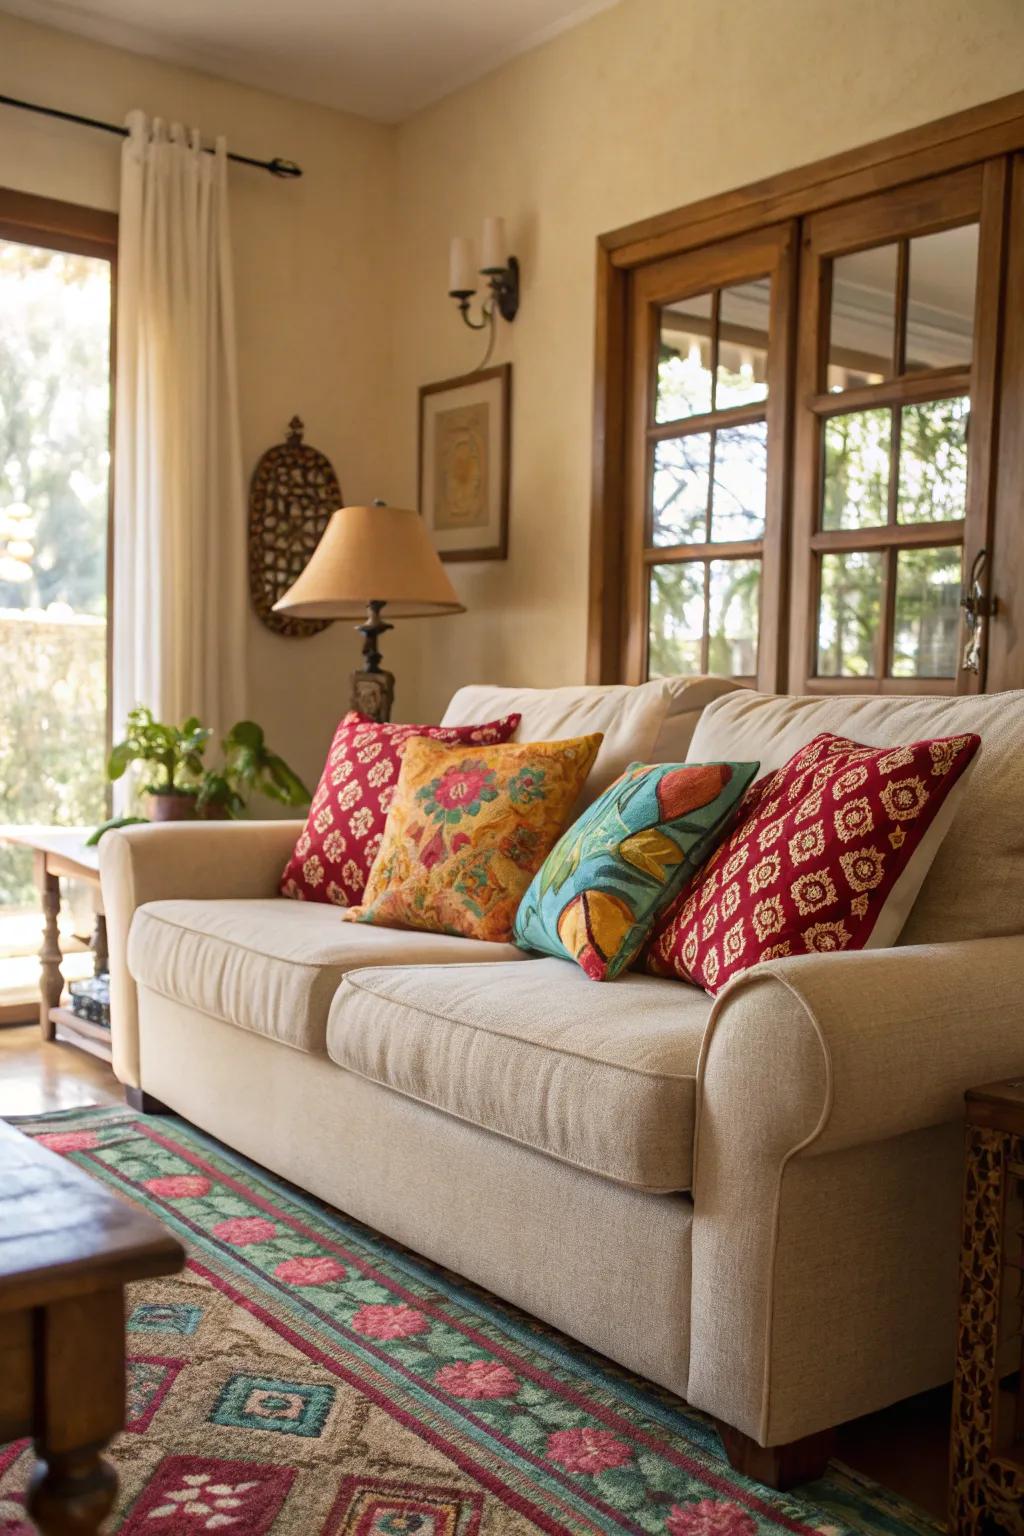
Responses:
[467,831]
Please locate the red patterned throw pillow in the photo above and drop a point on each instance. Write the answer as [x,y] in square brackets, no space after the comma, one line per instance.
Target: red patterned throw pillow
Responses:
[339,842]
[829,853]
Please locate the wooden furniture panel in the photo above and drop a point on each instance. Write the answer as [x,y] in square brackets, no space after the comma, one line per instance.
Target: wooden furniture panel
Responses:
[69,1249]
[987,1440]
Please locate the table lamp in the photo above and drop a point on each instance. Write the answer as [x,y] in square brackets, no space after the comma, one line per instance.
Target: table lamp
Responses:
[370,557]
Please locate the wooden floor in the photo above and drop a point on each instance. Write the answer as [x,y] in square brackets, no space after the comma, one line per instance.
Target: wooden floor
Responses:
[37,1077]
[903,1447]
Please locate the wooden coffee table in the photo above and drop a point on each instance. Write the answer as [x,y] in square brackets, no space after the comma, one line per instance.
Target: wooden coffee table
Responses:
[62,851]
[68,1249]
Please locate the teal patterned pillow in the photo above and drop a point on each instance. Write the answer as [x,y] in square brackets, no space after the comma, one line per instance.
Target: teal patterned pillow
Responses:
[600,889]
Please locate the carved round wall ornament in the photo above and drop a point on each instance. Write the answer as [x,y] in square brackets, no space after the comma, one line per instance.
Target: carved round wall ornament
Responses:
[294,490]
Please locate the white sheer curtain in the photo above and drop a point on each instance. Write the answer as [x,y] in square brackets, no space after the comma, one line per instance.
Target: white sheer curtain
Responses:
[179,598]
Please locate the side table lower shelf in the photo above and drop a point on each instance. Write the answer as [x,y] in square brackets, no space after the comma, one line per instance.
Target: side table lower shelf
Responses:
[64,853]
[82,1033]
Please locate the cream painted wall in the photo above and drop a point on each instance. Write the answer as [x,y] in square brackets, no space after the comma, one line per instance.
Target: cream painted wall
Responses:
[312,290]
[649,106]
[341,277]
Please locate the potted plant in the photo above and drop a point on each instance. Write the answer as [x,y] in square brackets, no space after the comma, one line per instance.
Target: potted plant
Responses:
[175,756]
[249,768]
[182,788]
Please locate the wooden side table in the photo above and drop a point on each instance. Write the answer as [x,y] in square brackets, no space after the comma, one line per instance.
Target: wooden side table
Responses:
[987,1446]
[60,851]
[69,1248]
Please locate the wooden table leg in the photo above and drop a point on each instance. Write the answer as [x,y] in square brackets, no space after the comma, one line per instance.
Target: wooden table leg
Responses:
[100,954]
[51,978]
[78,1342]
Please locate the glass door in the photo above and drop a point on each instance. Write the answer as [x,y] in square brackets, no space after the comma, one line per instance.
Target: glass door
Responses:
[707,473]
[55,379]
[894,414]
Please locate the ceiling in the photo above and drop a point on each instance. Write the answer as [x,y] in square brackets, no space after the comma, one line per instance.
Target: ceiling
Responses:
[383,59]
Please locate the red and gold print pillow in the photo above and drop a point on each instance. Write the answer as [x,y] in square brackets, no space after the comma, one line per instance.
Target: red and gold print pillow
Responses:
[339,842]
[829,853]
[468,831]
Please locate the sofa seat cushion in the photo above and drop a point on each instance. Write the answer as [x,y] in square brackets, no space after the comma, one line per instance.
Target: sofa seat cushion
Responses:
[600,1077]
[272,965]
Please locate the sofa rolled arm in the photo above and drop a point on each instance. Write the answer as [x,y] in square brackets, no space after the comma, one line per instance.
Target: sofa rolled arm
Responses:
[203,860]
[830,1089]
[865,1045]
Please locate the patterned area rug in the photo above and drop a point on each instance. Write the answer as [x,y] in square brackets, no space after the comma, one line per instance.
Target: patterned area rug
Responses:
[305,1377]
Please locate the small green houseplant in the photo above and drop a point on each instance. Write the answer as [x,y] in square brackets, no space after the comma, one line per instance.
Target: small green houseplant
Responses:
[174,758]
[249,768]
[182,788]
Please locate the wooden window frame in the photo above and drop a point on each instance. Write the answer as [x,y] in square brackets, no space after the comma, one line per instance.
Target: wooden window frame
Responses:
[764,253]
[972,194]
[980,134]
[60,226]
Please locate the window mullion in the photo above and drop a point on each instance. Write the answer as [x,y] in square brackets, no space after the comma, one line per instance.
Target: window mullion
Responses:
[899,359]
[895,436]
[884,649]
[705,640]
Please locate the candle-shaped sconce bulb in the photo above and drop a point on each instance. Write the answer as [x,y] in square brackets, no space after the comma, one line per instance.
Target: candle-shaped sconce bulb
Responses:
[494,247]
[461,268]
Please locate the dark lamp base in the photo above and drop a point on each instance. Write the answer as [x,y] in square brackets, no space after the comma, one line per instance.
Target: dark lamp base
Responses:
[373,693]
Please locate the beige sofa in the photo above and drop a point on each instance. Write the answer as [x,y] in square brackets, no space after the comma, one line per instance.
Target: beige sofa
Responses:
[753,1202]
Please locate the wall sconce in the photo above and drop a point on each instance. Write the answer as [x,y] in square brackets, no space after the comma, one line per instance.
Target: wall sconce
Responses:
[500,270]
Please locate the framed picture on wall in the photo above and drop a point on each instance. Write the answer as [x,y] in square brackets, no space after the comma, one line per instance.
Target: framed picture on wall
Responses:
[465,437]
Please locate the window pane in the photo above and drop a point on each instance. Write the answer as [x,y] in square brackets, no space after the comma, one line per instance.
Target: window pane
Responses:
[855,493]
[684,359]
[849,613]
[680,489]
[940,298]
[735,589]
[676,619]
[741,477]
[927,622]
[863,318]
[743,344]
[933,462]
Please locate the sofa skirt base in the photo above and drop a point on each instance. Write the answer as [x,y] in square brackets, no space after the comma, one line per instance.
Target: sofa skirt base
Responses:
[608,1265]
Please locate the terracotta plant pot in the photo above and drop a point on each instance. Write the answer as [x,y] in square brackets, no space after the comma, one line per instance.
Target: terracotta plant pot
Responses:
[214,813]
[172,807]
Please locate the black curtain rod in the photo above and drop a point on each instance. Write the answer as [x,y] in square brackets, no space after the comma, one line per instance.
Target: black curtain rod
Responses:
[284,168]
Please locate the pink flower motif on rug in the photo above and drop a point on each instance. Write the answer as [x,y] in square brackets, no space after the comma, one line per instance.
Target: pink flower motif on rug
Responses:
[382,1321]
[240,1231]
[69,1141]
[179,1186]
[316,1269]
[710,1517]
[588,1450]
[477,1379]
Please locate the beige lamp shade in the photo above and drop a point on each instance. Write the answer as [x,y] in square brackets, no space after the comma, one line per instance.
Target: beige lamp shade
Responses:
[372,554]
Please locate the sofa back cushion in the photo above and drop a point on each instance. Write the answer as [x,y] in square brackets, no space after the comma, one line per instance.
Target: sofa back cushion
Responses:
[975,888]
[652,722]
